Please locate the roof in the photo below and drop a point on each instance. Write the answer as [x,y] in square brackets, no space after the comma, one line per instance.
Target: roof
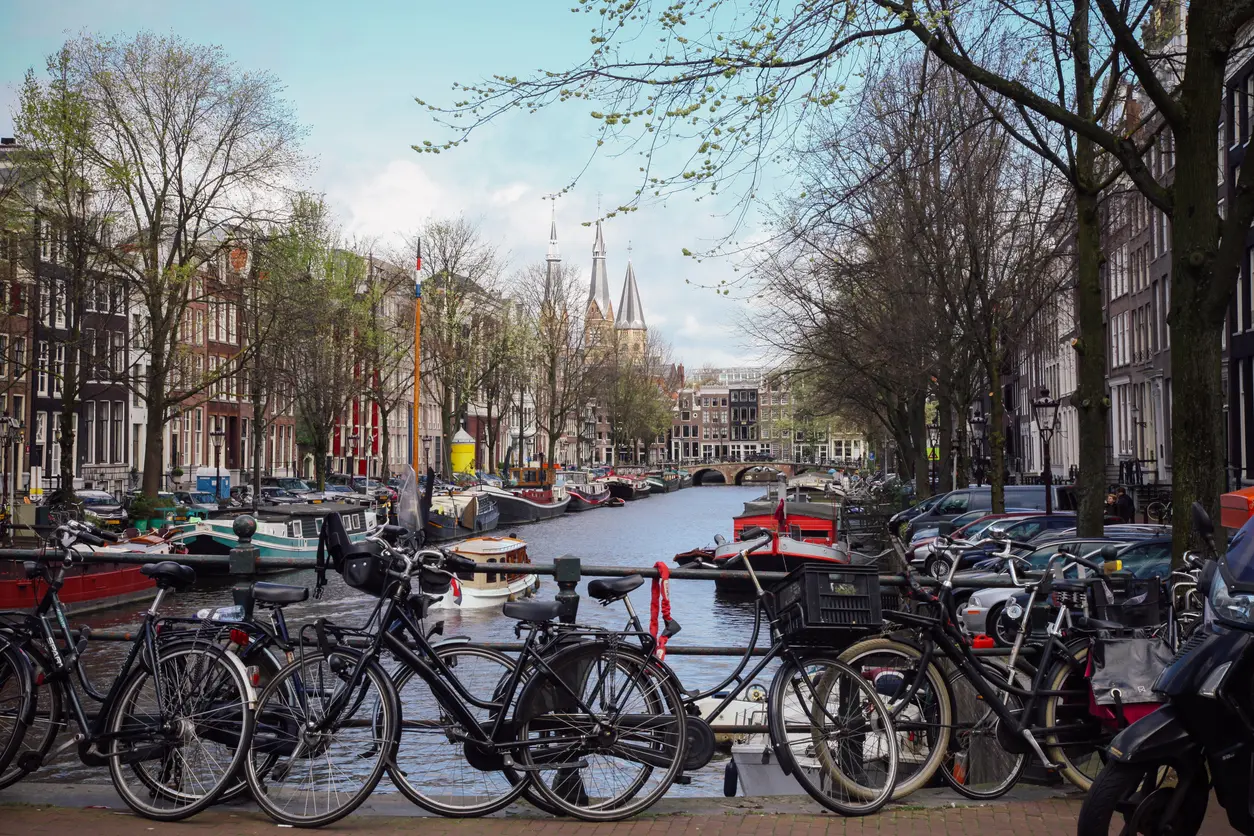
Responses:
[630,311]
[599,292]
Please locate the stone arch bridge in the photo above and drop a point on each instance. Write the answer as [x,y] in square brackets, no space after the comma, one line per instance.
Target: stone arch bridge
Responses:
[734,473]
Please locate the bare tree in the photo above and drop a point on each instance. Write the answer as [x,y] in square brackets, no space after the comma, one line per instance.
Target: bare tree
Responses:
[195,150]
[389,344]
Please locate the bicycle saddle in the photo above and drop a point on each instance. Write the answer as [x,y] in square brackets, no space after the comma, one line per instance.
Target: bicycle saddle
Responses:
[169,574]
[279,593]
[531,610]
[608,590]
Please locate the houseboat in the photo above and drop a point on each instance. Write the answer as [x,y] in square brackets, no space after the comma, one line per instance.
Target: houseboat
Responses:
[481,590]
[664,481]
[536,493]
[627,487]
[454,514]
[282,531]
[585,491]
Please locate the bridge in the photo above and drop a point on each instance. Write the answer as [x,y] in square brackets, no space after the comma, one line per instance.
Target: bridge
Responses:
[734,473]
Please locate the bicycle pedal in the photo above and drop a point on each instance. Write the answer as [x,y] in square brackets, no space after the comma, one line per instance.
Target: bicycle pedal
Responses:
[682,779]
[29,761]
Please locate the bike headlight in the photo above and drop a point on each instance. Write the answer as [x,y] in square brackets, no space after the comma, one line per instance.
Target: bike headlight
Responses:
[1227,605]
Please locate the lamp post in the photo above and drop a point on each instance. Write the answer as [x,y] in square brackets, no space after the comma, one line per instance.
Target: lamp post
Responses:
[426,452]
[979,427]
[352,454]
[1045,410]
[933,439]
[216,437]
[11,437]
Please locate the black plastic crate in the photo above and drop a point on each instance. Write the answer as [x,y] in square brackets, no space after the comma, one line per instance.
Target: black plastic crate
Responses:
[825,603]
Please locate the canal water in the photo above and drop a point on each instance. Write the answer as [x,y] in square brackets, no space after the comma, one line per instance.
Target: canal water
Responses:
[640,533]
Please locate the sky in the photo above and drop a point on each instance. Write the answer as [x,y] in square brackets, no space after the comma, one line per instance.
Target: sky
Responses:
[353,70]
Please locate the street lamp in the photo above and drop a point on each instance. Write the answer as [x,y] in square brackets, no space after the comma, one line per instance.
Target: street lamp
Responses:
[1045,410]
[933,439]
[11,437]
[426,452]
[979,427]
[352,454]
[216,437]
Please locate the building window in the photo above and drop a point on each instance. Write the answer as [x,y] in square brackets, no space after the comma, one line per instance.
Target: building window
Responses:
[88,422]
[102,431]
[119,421]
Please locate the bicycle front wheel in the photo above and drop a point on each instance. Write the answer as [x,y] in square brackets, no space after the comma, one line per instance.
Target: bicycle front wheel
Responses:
[437,767]
[977,766]
[17,698]
[333,735]
[179,733]
[836,733]
[47,722]
[601,731]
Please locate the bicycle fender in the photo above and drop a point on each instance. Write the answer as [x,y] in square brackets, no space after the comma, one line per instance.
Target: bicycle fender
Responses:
[1155,738]
[230,657]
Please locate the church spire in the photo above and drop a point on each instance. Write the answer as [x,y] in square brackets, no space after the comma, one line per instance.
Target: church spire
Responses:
[552,259]
[599,293]
[630,311]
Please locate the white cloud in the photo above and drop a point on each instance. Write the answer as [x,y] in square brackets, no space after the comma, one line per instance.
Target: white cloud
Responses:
[510,194]
[393,201]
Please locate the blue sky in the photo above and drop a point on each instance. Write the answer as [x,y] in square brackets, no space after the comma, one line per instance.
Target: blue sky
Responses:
[352,71]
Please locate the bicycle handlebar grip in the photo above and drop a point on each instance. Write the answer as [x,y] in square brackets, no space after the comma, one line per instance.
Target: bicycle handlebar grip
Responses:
[110,536]
[458,563]
[1084,561]
[90,539]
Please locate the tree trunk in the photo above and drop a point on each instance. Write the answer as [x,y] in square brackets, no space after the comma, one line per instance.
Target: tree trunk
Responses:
[1090,394]
[996,430]
[918,441]
[154,446]
[964,458]
[944,417]
[70,391]
[385,446]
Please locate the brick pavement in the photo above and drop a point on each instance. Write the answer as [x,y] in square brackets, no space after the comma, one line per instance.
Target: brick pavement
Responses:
[1054,816]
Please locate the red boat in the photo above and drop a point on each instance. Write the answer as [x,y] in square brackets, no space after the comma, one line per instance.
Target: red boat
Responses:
[88,586]
[804,532]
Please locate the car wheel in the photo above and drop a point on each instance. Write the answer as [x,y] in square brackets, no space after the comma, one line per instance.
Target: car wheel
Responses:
[994,627]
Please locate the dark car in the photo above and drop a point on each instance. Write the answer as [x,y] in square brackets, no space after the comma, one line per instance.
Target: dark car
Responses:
[279,496]
[287,483]
[1021,528]
[897,522]
[961,501]
[105,507]
[372,487]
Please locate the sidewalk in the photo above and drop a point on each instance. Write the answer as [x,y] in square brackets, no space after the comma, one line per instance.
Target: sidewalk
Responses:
[389,814]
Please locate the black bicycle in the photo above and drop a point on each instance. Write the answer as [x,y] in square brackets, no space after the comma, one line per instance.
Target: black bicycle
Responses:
[174,726]
[597,728]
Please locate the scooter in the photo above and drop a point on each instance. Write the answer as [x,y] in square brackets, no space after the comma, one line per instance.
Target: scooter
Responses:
[1161,769]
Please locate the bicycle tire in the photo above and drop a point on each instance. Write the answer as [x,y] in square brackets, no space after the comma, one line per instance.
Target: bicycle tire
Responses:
[268,666]
[41,733]
[1079,763]
[976,765]
[865,745]
[426,744]
[282,727]
[641,738]
[186,712]
[17,701]
[934,709]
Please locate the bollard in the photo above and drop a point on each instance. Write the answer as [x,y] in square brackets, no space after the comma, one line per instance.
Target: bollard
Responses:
[243,558]
[566,573]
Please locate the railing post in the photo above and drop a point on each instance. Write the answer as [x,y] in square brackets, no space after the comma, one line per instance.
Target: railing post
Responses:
[566,571]
[243,558]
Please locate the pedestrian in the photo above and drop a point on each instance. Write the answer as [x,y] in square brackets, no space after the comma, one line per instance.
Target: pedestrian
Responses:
[1125,508]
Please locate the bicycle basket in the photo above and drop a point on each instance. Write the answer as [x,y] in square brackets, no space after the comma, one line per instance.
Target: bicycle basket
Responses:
[825,605]
[365,568]
[434,581]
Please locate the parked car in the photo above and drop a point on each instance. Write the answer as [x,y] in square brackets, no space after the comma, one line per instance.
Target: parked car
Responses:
[197,500]
[969,526]
[287,483]
[956,503]
[1021,528]
[898,521]
[279,496]
[105,507]
[372,487]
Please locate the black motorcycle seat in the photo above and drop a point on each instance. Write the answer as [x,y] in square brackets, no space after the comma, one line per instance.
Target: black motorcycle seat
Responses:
[531,610]
[279,593]
[606,590]
[169,574]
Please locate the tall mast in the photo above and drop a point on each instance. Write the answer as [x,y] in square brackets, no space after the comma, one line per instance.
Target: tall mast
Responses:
[416,440]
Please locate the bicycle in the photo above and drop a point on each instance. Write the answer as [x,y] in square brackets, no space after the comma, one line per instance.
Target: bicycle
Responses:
[595,727]
[175,724]
[1159,511]
[993,707]
[827,725]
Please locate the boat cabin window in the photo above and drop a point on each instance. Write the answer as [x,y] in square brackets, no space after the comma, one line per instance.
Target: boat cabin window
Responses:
[492,576]
[293,528]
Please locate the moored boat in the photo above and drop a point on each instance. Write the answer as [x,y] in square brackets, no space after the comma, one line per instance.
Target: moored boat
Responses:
[479,590]
[626,487]
[665,481]
[538,493]
[460,514]
[585,492]
[282,531]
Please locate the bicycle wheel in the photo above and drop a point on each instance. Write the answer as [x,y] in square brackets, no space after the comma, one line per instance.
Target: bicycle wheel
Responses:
[1157,511]
[922,719]
[176,736]
[1075,739]
[47,722]
[976,765]
[835,734]
[17,698]
[601,731]
[435,767]
[267,666]
[328,763]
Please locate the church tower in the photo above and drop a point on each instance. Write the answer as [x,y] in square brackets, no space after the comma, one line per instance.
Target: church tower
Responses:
[630,321]
[600,313]
[552,261]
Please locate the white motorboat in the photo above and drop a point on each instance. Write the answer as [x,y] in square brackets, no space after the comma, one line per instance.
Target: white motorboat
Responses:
[480,590]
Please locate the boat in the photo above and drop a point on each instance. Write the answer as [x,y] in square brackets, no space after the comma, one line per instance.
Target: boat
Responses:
[627,488]
[282,531]
[480,590]
[455,514]
[802,532]
[685,478]
[538,493]
[89,586]
[664,481]
[585,491]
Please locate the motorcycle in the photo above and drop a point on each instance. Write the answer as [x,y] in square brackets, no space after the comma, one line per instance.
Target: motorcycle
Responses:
[1160,770]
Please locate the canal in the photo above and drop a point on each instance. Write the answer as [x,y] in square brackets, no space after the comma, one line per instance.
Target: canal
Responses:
[640,533]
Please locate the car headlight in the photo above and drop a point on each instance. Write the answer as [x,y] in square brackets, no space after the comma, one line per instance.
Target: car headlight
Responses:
[975,601]
[1237,607]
